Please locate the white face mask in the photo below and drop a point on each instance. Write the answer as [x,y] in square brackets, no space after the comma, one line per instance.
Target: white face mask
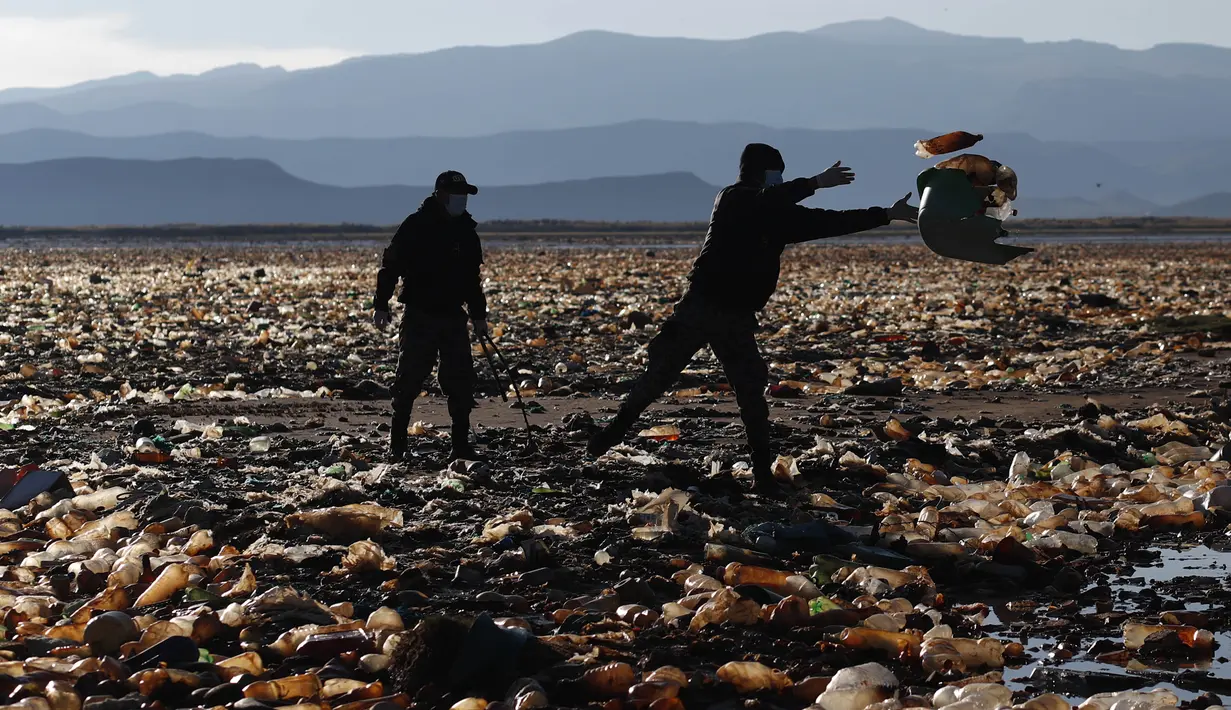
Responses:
[773,177]
[456,204]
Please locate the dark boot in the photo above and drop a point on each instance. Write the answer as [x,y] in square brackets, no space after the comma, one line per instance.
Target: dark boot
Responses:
[611,434]
[461,448]
[398,437]
[763,473]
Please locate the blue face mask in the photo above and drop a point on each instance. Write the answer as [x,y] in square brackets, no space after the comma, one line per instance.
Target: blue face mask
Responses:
[773,177]
[455,205]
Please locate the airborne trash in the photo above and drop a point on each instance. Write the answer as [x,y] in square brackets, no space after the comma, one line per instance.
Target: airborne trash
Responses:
[948,143]
[962,203]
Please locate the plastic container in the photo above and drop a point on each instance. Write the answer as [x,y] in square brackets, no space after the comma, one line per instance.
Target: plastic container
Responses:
[751,677]
[293,687]
[948,143]
[961,654]
[857,687]
[894,644]
[1135,635]
[610,681]
[774,580]
[173,578]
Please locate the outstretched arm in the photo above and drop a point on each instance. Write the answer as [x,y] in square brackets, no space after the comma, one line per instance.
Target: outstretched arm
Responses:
[801,224]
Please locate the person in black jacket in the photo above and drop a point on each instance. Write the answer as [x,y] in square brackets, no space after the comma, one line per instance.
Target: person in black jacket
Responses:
[436,254]
[731,280]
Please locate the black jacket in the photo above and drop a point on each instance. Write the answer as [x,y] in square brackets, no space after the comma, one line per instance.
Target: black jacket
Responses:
[437,257]
[750,227]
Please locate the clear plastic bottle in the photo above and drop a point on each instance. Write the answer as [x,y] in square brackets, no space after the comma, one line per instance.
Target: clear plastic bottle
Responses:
[857,687]
[1019,469]
[751,677]
[1132,700]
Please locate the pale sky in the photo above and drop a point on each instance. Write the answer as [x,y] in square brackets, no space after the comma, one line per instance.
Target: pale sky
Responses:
[59,42]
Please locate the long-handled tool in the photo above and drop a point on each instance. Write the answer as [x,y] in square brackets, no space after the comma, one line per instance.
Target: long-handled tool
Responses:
[521,404]
[489,348]
[492,364]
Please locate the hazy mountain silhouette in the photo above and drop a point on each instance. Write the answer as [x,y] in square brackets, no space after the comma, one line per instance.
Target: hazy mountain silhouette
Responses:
[97,191]
[88,191]
[884,160]
[1216,205]
[853,76]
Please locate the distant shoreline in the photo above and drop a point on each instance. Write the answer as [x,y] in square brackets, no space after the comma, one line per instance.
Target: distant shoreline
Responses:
[558,231]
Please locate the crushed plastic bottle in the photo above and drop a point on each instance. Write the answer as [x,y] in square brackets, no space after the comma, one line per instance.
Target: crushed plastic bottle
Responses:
[948,143]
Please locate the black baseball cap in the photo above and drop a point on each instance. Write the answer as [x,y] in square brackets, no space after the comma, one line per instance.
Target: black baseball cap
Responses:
[454,183]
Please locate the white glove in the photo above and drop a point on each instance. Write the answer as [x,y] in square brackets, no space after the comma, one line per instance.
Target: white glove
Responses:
[381,319]
[903,211]
[836,176]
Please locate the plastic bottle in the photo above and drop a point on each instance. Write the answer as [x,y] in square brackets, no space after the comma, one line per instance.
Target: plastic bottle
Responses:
[724,554]
[702,583]
[609,681]
[1019,470]
[961,654]
[948,143]
[1174,453]
[1132,699]
[751,677]
[668,674]
[326,646]
[1135,635]
[106,499]
[293,687]
[857,687]
[643,694]
[173,578]
[1047,701]
[895,644]
[249,662]
[726,606]
[980,170]
[777,581]
[357,520]
[61,696]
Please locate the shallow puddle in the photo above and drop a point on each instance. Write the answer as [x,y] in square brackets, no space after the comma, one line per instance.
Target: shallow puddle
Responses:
[1172,564]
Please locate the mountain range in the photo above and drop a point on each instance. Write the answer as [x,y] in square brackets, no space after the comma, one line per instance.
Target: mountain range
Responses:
[884,160]
[604,126]
[103,191]
[852,76]
[100,191]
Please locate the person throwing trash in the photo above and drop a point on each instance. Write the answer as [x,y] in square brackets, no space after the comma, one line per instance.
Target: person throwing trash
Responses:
[731,280]
[437,256]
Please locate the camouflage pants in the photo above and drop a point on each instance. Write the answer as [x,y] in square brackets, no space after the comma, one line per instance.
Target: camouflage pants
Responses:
[425,339]
[732,338]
